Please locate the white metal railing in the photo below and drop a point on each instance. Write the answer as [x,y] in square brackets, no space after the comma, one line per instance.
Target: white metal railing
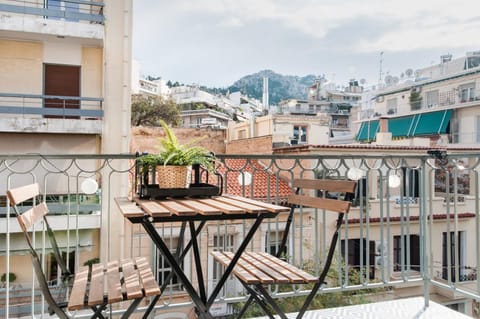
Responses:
[386,242]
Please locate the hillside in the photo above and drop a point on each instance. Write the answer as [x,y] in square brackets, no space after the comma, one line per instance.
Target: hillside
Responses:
[280,87]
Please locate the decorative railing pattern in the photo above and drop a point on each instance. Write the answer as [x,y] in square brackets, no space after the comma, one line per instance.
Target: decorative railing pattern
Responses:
[383,244]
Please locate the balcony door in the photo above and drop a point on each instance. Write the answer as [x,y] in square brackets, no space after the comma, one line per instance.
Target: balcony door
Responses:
[62,81]
[455,263]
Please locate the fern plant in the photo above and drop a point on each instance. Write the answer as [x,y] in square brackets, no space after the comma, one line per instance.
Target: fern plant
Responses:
[172,152]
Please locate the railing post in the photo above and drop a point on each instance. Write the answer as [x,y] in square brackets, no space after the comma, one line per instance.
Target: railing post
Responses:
[423,233]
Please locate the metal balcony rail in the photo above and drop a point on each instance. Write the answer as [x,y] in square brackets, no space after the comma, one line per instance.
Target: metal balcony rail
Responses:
[68,10]
[56,106]
[400,231]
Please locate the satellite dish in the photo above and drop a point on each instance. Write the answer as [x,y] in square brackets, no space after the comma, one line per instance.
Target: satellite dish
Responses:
[363,81]
[388,80]
[402,75]
[395,80]
[409,72]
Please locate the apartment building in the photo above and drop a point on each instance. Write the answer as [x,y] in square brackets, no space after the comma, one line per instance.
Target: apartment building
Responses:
[64,89]
[440,102]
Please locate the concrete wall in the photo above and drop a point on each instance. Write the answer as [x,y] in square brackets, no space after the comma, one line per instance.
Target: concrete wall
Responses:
[21,63]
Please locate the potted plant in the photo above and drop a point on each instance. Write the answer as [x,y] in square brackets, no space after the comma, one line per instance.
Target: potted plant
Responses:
[173,163]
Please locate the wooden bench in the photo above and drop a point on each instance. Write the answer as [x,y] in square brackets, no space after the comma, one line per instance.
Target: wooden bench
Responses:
[95,286]
[257,269]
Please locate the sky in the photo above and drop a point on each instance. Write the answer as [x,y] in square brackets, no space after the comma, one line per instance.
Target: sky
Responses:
[216,42]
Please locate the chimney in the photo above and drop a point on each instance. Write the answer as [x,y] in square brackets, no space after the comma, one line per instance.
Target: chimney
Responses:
[383,121]
[384,137]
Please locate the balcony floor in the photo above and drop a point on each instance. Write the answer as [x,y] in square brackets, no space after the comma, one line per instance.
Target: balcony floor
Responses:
[411,308]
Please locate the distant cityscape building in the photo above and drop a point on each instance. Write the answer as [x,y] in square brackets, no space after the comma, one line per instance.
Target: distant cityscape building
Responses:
[440,103]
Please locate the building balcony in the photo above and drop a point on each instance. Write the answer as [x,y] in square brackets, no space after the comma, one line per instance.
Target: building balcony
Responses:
[413,216]
[28,113]
[67,18]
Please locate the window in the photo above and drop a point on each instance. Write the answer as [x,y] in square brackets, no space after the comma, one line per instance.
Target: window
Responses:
[431,98]
[54,271]
[358,255]
[411,261]
[163,267]
[273,239]
[392,106]
[311,108]
[61,80]
[223,243]
[299,134]
[453,252]
[242,133]
[467,92]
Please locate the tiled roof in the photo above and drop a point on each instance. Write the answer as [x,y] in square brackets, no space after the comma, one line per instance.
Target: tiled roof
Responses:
[264,183]
[411,218]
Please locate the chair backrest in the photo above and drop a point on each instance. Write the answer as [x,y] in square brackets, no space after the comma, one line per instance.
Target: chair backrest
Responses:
[326,187]
[37,210]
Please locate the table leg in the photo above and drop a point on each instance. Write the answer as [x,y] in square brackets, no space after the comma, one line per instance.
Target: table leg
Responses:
[198,263]
[152,232]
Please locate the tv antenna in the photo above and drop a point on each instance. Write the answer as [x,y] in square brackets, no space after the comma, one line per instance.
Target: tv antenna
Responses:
[381,61]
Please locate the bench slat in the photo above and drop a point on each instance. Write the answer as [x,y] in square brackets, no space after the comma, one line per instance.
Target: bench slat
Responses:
[77,296]
[238,270]
[96,293]
[148,282]
[114,288]
[307,278]
[131,280]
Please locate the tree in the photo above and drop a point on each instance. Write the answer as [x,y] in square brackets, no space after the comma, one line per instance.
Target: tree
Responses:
[148,110]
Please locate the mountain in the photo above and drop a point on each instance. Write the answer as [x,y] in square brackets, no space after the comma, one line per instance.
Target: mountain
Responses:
[280,87]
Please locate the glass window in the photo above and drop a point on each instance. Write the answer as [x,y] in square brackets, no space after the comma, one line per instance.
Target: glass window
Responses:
[223,243]
[273,239]
[300,133]
[164,269]
[431,98]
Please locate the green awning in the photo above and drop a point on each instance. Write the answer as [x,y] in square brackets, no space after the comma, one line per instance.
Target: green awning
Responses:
[367,131]
[431,123]
[401,126]
[423,124]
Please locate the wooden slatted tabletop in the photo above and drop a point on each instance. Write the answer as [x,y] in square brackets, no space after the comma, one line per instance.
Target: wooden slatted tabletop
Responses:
[187,207]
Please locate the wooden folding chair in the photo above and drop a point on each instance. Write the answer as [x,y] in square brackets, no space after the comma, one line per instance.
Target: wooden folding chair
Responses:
[255,270]
[94,287]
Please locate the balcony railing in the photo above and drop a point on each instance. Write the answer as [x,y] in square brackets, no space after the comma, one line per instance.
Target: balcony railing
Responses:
[68,10]
[385,244]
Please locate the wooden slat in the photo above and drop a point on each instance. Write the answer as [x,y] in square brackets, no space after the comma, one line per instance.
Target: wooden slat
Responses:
[225,208]
[131,280]
[238,270]
[95,296]
[199,207]
[114,287]
[178,209]
[77,296]
[326,185]
[280,264]
[250,208]
[261,275]
[32,216]
[270,207]
[20,194]
[148,282]
[322,203]
[128,208]
[256,267]
[154,209]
